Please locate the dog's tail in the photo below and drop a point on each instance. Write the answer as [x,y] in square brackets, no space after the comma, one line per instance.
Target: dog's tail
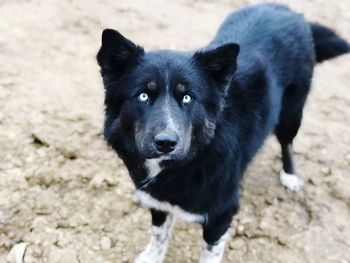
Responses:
[327,43]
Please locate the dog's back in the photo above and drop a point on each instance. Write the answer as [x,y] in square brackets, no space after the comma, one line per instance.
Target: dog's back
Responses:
[272,33]
[276,57]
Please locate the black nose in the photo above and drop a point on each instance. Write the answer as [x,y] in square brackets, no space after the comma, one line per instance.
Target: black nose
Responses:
[166,142]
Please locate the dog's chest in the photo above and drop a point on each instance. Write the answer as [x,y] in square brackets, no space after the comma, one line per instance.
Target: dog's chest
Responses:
[147,200]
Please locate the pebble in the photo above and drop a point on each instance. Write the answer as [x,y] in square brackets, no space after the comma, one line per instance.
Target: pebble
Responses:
[63,212]
[105,243]
[39,222]
[46,201]
[237,243]
[263,225]
[347,157]
[326,170]
[240,230]
[63,255]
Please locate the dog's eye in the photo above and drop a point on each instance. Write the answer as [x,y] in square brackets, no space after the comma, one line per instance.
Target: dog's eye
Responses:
[143,97]
[186,99]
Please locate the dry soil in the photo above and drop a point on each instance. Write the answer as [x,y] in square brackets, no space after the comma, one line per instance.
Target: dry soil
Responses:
[70,198]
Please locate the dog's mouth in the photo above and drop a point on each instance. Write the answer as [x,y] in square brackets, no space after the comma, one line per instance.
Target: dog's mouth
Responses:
[165,156]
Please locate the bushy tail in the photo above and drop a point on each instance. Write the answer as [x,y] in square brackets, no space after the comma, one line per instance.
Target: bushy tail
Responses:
[327,44]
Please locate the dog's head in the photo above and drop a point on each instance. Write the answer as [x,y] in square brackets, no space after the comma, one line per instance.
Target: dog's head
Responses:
[162,104]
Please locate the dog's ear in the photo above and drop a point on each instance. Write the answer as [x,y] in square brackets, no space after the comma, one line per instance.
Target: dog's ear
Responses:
[219,63]
[117,53]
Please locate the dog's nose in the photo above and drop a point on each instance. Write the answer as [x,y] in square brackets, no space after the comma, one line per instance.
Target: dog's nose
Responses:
[166,142]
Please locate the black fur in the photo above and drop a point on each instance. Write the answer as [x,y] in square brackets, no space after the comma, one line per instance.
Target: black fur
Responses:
[236,105]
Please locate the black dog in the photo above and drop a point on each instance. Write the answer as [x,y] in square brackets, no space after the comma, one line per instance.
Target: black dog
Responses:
[186,124]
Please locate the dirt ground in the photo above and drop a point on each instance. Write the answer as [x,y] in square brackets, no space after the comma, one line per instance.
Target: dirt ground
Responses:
[70,198]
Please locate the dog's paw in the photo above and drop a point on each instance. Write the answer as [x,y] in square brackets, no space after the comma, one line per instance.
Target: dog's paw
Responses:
[150,256]
[291,181]
[144,258]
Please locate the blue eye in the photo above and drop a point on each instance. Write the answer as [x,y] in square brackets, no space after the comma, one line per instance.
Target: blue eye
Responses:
[186,99]
[143,97]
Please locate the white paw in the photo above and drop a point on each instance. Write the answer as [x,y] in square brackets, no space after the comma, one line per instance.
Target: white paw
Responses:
[146,257]
[210,258]
[154,253]
[214,254]
[291,181]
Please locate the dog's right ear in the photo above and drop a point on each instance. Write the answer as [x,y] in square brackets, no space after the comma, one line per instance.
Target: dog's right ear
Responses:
[219,63]
[117,53]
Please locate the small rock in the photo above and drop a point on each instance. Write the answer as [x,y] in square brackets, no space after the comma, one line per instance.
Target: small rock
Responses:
[347,157]
[39,222]
[326,170]
[237,243]
[5,241]
[46,202]
[240,230]
[63,212]
[63,255]
[105,243]
[340,190]
[263,225]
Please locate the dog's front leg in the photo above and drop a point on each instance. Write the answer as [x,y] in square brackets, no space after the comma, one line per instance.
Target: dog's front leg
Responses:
[156,249]
[215,235]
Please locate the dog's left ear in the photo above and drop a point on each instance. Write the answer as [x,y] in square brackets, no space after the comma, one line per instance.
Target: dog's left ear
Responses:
[117,53]
[219,63]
